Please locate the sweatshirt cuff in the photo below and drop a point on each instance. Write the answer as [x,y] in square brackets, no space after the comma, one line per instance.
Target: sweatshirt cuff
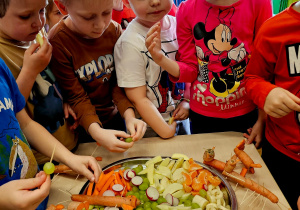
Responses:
[87,120]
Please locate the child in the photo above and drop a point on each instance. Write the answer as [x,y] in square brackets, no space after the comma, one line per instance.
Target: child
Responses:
[83,64]
[272,82]
[215,42]
[20,21]
[123,14]
[146,84]
[18,167]
[53,15]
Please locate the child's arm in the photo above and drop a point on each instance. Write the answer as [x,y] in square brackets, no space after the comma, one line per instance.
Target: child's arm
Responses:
[19,194]
[33,63]
[149,112]
[44,142]
[153,44]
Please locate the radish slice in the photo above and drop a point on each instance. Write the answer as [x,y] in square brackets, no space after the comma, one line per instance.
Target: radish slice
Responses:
[152,193]
[109,193]
[125,175]
[130,174]
[137,180]
[169,199]
[117,187]
[175,201]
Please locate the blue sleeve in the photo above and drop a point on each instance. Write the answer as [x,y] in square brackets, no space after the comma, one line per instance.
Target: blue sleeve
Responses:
[17,98]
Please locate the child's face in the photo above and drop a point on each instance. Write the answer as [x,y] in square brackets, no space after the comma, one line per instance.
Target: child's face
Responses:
[149,12]
[23,19]
[54,16]
[90,18]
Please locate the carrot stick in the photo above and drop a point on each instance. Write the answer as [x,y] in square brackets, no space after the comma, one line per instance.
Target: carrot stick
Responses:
[78,205]
[106,185]
[90,188]
[126,207]
[250,184]
[107,200]
[98,158]
[96,191]
[118,179]
[102,182]
[113,168]
[59,207]
[243,172]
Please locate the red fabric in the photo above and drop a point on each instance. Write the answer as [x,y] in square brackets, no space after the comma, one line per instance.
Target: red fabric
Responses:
[275,63]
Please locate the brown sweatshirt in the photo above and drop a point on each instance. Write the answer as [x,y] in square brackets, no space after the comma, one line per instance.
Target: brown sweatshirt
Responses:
[86,73]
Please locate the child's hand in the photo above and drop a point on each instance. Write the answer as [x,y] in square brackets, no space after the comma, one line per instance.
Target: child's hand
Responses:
[153,43]
[136,128]
[108,138]
[35,60]
[280,102]
[86,166]
[118,5]
[182,111]
[69,111]
[21,194]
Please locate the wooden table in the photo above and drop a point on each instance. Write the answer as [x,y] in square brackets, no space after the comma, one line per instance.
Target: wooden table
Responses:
[190,145]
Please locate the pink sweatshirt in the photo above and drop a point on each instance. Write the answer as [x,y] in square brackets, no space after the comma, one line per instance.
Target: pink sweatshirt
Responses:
[215,44]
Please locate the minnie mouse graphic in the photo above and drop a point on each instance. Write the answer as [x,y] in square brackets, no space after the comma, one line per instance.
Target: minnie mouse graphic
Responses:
[223,63]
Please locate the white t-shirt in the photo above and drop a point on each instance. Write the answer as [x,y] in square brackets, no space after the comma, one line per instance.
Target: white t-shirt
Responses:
[135,67]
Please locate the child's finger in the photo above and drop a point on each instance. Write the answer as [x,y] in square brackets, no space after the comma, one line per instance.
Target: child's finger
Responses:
[33,182]
[32,48]
[150,39]
[140,131]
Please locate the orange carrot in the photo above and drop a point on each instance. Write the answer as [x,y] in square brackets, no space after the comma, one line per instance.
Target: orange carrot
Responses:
[96,191]
[78,205]
[102,182]
[98,158]
[90,188]
[250,184]
[246,160]
[113,168]
[217,164]
[107,200]
[126,207]
[59,207]
[118,180]
[63,169]
[106,185]
[243,172]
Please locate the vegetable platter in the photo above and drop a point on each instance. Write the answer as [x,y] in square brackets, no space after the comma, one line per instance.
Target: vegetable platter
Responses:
[166,183]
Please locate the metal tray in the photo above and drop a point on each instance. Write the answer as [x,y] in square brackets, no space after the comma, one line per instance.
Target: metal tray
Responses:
[135,161]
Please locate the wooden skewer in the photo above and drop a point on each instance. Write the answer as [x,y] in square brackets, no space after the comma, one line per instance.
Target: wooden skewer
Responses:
[283,205]
[65,191]
[254,200]
[94,150]
[235,187]
[264,204]
[53,152]
[64,201]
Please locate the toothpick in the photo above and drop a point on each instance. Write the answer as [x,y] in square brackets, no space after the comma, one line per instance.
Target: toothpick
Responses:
[54,177]
[94,150]
[248,197]
[53,152]
[283,205]
[73,186]
[65,191]
[254,200]
[264,204]
[245,195]
[121,195]
[279,206]
[64,201]
[235,187]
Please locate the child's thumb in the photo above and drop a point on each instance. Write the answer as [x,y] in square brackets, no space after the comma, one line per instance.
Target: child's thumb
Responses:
[32,183]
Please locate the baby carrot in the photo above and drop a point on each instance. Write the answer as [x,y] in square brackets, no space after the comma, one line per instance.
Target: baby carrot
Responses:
[106,185]
[59,206]
[102,182]
[243,172]
[118,179]
[90,188]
